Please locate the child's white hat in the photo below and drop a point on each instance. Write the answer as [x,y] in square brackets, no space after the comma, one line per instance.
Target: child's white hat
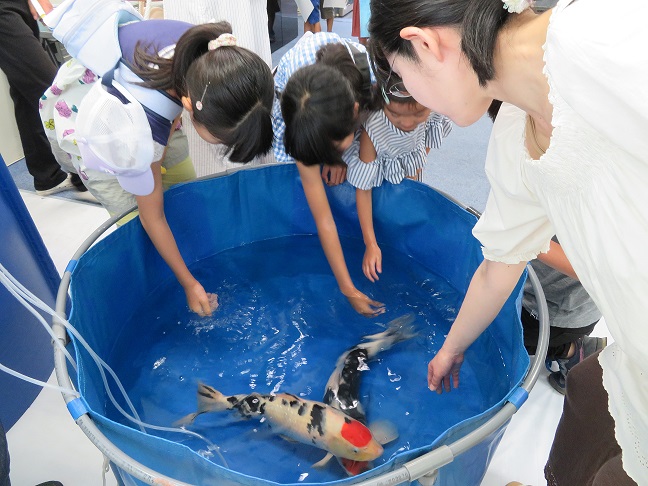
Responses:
[115,137]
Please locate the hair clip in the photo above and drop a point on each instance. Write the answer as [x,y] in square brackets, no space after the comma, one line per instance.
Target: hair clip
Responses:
[517,6]
[199,104]
[222,40]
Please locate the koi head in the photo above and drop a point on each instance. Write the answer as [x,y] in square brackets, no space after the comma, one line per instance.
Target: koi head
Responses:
[355,442]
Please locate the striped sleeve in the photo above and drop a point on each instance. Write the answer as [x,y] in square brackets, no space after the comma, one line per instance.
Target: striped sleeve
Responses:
[365,175]
[437,128]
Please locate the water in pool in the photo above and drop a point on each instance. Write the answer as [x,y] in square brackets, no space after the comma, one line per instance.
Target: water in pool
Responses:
[280,327]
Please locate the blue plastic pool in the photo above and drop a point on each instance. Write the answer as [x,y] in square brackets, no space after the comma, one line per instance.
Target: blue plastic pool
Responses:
[281,325]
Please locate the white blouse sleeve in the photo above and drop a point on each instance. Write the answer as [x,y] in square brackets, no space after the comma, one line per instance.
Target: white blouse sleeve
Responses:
[597,60]
[514,226]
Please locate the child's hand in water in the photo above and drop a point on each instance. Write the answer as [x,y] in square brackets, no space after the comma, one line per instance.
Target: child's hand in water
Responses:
[364,305]
[199,301]
[372,262]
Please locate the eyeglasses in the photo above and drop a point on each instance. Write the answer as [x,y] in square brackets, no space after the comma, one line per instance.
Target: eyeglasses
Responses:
[397,89]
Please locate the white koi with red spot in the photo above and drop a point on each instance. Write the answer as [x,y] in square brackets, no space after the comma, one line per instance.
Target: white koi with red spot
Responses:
[301,420]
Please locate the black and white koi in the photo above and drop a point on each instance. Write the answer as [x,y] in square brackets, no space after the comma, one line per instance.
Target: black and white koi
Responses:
[294,418]
[343,387]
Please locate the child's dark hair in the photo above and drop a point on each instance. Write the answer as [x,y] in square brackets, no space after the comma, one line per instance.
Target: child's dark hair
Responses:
[235,87]
[318,107]
[479,22]
[337,55]
[379,102]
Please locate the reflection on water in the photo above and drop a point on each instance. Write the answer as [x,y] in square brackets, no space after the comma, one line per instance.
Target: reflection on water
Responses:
[280,327]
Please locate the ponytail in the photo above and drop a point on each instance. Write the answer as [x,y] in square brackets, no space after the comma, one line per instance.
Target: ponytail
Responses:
[251,137]
[169,73]
[478,21]
[234,85]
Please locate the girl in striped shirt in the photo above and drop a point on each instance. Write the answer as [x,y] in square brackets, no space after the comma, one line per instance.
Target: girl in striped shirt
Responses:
[394,144]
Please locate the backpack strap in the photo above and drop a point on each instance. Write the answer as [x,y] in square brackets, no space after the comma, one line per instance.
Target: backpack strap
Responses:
[152,100]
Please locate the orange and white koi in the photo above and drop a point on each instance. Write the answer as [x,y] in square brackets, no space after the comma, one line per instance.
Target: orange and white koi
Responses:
[305,421]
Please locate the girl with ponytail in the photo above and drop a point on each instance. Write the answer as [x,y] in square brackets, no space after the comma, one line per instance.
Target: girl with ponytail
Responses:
[568,156]
[166,66]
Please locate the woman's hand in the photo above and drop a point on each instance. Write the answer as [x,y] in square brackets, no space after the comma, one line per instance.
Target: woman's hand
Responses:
[372,262]
[332,175]
[199,301]
[364,305]
[444,366]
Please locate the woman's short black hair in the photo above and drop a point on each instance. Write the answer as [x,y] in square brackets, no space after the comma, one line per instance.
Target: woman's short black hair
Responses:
[479,22]
[318,107]
[234,85]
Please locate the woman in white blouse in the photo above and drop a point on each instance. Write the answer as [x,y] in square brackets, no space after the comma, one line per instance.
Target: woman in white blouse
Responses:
[568,156]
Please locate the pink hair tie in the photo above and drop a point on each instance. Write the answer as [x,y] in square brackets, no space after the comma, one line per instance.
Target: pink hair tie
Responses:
[222,40]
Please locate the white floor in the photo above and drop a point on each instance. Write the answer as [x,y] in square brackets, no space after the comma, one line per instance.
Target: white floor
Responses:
[46,444]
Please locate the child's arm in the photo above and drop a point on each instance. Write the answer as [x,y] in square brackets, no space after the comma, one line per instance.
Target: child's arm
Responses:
[328,235]
[372,262]
[153,220]
[489,288]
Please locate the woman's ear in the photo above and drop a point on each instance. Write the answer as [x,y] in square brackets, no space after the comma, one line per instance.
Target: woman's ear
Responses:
[425,40]
[356,109]
[186,103]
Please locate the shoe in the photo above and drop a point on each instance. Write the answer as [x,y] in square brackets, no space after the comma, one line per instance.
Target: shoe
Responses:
[50,483]
[585,346]
[66,185]
[72,181]
[78,183]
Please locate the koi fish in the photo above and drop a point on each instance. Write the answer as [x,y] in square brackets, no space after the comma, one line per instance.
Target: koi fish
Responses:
[297,419]
[343,386]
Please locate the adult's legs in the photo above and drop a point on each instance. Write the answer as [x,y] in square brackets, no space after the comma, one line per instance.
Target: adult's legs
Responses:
[560,338]
[312,24]
[272,7]
[585,451]
[30,72]
[328,14]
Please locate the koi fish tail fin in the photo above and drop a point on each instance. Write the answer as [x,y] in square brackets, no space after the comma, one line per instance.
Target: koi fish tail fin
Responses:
[398,330]
[211,400]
